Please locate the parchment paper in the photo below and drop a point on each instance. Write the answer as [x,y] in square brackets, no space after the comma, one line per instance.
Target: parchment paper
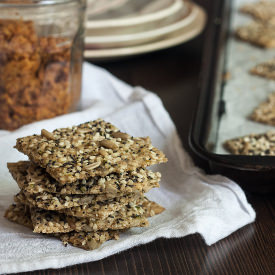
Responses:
[243,92]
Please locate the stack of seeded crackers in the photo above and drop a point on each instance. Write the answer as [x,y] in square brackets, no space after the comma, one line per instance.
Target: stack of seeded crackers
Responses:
[84,184]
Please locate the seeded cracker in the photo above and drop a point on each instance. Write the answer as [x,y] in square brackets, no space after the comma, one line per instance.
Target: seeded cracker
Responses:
[258,33]
[265,112]
[19,213]
[53,222]
[57,202]
[34,179]
[266,69]
[87,240]
[95,148]
[102,211]
[254,144]
[264,11]
[94,210]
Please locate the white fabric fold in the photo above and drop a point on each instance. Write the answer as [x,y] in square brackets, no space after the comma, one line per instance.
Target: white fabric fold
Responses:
[212,206]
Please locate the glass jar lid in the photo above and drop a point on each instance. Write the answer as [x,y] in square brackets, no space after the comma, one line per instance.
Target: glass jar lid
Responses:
[18,3]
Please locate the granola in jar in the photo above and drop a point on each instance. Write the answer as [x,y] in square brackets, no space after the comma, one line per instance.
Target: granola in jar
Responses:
[38,75]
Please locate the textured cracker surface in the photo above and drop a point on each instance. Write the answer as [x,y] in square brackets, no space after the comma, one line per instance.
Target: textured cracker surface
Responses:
[53,222]
[57,202]
[88,150]
[98,210]
[34,179]
[258,33]
[88,240]
[254,144]
[265,112]
[19,213]
[45,221]
[265,69]
[103,210]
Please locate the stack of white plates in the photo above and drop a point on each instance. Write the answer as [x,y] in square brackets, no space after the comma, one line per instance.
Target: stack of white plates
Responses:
[119,28]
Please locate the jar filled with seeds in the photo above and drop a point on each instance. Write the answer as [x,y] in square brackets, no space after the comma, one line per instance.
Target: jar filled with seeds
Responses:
[41,49]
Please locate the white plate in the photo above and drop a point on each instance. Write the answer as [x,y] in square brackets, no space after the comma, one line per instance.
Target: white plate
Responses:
[131,38]
[134,12]
[95,7]
[175,38]
[113,34]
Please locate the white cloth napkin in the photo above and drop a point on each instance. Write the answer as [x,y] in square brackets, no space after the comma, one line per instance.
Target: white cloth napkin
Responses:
[212,206]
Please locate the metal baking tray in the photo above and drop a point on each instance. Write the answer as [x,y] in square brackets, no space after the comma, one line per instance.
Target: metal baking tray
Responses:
[253,173]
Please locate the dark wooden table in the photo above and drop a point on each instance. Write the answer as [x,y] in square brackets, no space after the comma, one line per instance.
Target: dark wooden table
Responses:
[174,74]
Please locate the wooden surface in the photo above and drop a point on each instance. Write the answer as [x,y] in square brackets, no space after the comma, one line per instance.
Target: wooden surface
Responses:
[174,75]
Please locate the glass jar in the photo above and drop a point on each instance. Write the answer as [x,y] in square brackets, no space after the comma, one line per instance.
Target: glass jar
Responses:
[41,49]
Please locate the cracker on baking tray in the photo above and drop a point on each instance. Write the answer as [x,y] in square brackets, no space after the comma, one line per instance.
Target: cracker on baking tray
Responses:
[264,11]
[265,69]
[265,112]
[253,144]
[34,179]
[257,33]
[95,148]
